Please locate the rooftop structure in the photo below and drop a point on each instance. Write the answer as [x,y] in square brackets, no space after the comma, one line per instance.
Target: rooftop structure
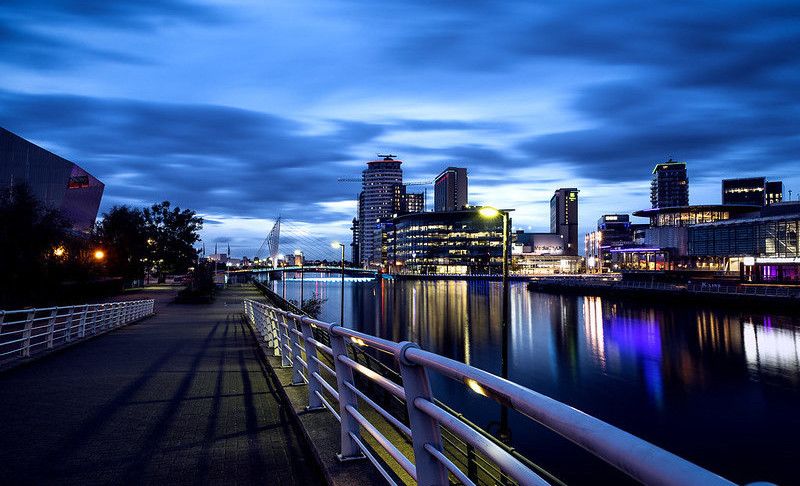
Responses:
[670,186]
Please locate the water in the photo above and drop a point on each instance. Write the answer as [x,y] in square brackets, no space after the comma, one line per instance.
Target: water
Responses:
[716,386]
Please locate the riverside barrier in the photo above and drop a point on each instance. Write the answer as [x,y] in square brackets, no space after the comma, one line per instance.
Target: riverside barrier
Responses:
[26,332]
[329,370]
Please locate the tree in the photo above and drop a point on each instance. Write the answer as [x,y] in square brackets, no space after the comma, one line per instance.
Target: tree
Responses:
[122,233]
[171,234]
[32,243]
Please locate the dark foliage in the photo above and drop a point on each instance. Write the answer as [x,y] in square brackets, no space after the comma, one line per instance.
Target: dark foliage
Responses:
[123,236]
[35,248]
[312,306]
[171,236]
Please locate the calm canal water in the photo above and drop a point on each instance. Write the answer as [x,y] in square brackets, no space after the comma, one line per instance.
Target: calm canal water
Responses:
[716,386]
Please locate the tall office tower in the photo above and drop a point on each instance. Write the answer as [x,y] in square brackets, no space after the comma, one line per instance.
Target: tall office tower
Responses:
[670,186]
[450,189]
[378,201]
[57,182]
[564,218]
[773,192]
[755,191]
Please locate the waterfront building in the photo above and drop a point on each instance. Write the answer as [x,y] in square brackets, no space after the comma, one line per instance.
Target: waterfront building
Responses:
[450,190]
[381,184]
[59,183]
[444,242]
[564,218]
[755,191]
[670,185]
[761,249]
[614,231]
[666,240]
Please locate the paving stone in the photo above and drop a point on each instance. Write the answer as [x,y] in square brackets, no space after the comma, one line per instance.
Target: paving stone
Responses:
[178,398]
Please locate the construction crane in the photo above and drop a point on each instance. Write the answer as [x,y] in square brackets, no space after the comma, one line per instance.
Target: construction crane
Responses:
[412,183]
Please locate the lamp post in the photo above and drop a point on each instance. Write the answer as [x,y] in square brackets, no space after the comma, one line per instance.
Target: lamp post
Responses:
[489,212]
[341,317]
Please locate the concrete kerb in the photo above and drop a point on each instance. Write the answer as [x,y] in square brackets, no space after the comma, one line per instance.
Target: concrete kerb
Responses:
[320,428]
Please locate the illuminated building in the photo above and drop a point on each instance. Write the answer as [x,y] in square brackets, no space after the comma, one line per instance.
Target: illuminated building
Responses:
[564,218]
[59,183]
[755,191]
[666,241]
[761,249]
[414,202]
[614,231]
[445,242]
[670,186]
[450,190]
[378,200]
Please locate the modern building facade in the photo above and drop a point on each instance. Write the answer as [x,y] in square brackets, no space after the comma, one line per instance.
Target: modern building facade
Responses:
[614,231]
[761,249]
[756,191]
[670,185]
[564,218]
[445,242]
[450,190]
[59,183]
[381,183]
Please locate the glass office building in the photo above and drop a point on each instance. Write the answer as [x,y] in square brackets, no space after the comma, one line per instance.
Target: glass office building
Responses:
[445,242]
[762,249]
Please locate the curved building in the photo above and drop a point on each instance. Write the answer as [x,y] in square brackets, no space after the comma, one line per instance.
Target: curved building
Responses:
[56,181]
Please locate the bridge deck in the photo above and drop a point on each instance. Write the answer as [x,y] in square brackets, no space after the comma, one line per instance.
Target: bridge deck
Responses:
[179,398]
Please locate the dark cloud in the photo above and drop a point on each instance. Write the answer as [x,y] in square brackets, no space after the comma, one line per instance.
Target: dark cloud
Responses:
[211,158]
[24,43]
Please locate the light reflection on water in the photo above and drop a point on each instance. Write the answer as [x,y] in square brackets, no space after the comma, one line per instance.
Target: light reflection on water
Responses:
[718,387]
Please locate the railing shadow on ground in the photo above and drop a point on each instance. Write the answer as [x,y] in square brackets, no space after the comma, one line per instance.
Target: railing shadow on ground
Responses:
[381,387]
[28,333]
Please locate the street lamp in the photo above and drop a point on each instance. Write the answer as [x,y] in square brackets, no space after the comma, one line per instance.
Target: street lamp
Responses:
[490,212]
[341,317]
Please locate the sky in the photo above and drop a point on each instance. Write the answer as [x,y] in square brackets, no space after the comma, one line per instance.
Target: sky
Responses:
[246,110]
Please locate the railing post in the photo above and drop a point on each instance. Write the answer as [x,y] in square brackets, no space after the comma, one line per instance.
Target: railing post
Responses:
[314,388]
[297,354]
[26,334]
[82,322]
[274,333]
[51,328]
[344,374]
[424,429]
[285,362]
[68,325]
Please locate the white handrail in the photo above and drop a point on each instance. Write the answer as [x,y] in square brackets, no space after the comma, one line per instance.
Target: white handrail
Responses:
[25,330]
[635,457]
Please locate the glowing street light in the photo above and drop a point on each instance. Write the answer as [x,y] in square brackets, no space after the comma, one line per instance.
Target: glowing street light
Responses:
[59,251]
[490,212]
[99,255]
[341,317]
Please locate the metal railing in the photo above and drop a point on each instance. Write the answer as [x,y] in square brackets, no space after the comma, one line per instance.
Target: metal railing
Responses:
[25,332]
[292,337]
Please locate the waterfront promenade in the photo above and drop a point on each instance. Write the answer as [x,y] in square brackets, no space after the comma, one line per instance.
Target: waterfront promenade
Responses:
[178,398]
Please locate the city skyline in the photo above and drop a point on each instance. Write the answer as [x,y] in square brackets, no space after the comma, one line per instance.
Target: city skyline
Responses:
[249,111]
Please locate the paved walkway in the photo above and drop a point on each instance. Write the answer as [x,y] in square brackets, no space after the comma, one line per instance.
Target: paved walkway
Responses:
[179,398]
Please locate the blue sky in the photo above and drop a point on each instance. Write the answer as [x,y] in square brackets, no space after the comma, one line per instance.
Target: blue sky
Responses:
[244,110]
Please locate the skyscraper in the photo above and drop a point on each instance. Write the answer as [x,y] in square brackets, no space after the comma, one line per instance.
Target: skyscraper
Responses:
[450,189]
[670,186]
[564,218]
[378,200]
